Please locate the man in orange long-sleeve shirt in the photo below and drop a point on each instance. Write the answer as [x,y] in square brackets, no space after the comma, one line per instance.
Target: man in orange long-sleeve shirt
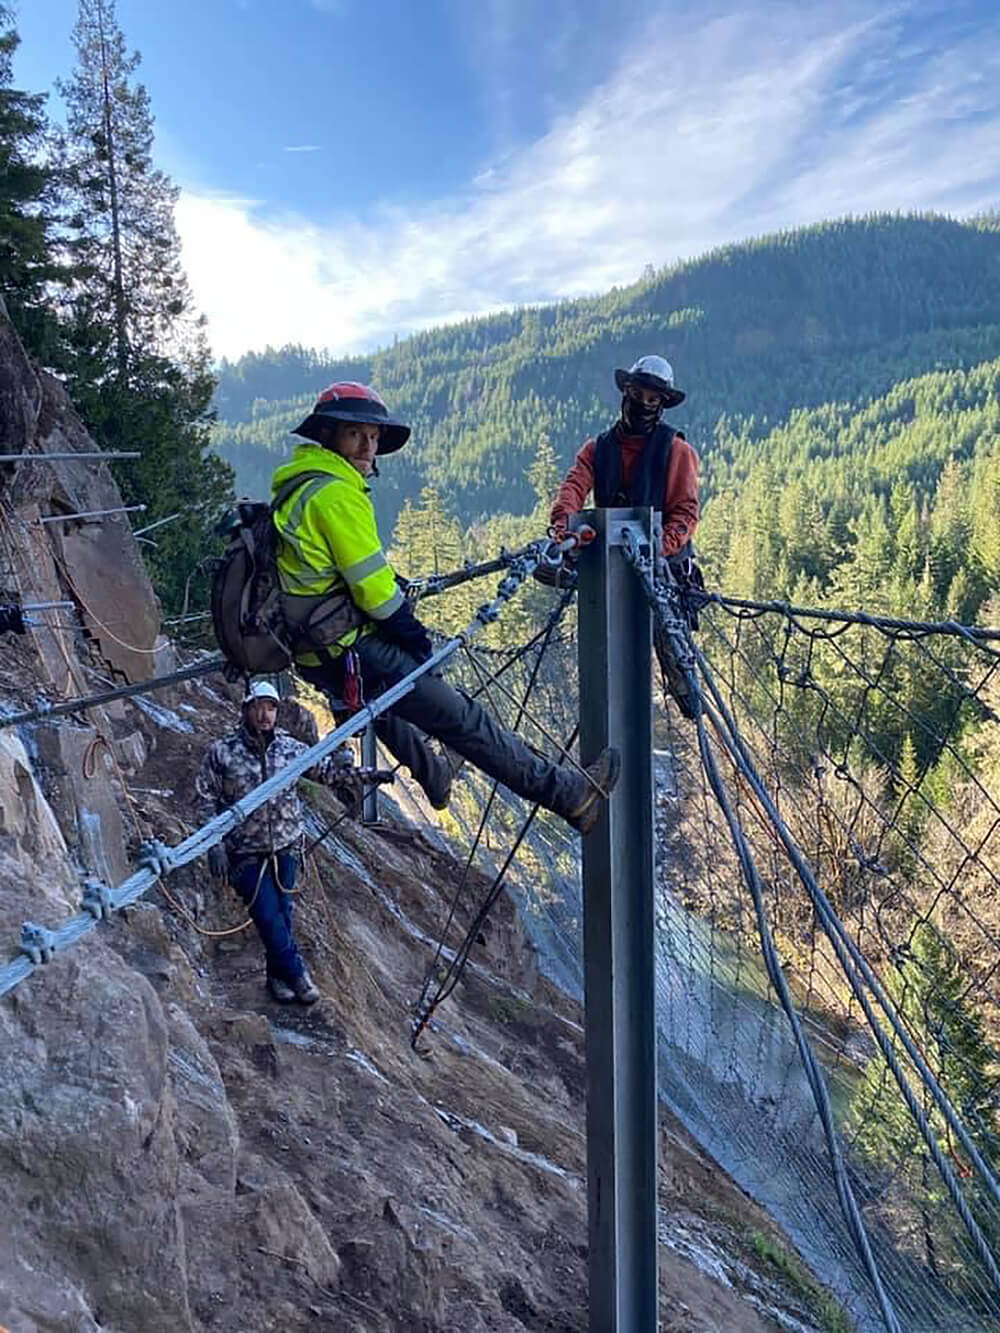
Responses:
[639,461]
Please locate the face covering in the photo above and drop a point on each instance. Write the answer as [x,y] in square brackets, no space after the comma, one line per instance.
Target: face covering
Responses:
[637,418]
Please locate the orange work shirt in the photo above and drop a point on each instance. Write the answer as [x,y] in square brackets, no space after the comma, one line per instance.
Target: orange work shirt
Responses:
[681,507]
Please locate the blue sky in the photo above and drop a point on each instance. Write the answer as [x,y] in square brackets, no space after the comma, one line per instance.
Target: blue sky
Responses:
[352,170]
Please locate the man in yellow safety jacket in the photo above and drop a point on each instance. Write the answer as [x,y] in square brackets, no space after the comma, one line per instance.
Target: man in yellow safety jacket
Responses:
[353,626]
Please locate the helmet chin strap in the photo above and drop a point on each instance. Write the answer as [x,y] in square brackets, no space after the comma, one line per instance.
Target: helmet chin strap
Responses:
[374,471]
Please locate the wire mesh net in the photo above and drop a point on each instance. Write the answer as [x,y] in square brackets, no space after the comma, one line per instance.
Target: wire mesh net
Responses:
[878,750]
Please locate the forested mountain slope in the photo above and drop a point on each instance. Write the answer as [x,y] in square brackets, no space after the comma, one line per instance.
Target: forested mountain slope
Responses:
[835,313]
[889,506]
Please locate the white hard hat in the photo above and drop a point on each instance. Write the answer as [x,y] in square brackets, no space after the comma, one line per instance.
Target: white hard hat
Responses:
[653,372]
[262,689]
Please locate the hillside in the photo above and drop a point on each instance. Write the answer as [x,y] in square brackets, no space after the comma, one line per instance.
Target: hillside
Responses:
[181,1154]
[835,313]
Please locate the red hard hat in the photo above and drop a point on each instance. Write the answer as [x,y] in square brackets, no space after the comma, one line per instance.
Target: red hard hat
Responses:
[348,401]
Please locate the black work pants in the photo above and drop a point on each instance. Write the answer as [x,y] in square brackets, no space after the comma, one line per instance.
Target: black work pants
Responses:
[438,709]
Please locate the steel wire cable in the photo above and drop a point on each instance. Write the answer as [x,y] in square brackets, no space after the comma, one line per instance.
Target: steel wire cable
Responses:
[425,1006]
[39,944]
[663,602]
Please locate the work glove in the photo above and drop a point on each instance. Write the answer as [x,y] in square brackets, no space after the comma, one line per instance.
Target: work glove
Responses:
[564,576]
[11,620]
[561,576]
[218,861]
[691,585]
[350,786]
[407,632]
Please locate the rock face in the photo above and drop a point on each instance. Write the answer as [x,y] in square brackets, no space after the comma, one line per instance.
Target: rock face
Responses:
[178,1153]
[95,563]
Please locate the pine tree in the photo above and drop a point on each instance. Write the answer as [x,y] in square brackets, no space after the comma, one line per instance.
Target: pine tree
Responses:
[122,230]
[543,473]
[137,358]
[27,262]
[929,989]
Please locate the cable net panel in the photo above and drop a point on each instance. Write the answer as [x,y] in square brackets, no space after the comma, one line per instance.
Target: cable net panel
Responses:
[880,750]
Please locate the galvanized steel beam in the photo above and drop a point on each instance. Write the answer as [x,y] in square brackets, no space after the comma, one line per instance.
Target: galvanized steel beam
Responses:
[615,643]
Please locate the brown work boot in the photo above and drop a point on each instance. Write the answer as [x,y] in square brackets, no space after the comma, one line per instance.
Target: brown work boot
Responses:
[600,781]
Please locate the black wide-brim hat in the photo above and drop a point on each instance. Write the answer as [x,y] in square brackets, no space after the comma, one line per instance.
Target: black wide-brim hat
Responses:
[671,396]
[354,402]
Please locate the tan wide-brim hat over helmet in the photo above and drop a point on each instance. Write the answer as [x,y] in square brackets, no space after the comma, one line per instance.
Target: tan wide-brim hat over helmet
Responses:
[652,372]
[348,401]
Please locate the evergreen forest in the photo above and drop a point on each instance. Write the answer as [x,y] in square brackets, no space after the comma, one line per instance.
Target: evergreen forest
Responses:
[843,391]
[91,277]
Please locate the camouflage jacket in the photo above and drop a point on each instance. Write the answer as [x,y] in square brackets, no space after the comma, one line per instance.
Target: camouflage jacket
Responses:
[239,762]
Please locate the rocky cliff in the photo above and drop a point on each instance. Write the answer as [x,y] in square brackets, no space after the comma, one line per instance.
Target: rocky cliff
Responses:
[177,1152]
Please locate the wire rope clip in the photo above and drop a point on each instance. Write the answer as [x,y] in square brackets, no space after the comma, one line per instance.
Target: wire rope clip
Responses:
[38,942]
[97,900]
[156,856]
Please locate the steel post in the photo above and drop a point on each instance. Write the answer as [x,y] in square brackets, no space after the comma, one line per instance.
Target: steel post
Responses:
[369,759]
[615,639]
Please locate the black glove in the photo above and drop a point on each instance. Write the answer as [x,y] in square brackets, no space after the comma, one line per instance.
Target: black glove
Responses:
[218,861]
[690,583]
[348,786]
[11,620]
[406,631]
[562,576]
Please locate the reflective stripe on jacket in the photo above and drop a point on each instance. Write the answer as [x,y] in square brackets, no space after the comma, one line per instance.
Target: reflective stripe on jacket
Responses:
[328,538]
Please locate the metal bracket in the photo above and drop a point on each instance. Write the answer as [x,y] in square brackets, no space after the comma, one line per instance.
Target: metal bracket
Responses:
[97,899]
[38,942]
[156,856]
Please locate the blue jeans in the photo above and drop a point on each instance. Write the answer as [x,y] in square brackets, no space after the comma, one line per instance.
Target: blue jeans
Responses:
[271,910]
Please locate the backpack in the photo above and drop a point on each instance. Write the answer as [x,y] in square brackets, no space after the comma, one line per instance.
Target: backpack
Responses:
[246,595]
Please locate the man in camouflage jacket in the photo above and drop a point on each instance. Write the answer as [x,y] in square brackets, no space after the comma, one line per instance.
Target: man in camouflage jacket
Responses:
[261,856]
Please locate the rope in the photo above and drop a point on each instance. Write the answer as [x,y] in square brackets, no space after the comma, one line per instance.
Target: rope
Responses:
[665,606]
[230,930]
[815,1078]
[38,944]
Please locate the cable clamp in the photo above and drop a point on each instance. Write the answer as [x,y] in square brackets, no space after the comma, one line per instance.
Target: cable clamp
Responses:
[156,856]
[38,942]
[97,900]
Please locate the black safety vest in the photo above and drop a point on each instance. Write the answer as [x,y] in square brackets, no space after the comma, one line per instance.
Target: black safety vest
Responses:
[649,478]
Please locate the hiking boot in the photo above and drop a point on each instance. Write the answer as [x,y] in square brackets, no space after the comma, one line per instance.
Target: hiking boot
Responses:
[280,990]
[439,792]
[304,989]
[600,781]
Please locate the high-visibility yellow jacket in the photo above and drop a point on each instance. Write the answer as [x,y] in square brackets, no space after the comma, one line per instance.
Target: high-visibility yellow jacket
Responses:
[328,540]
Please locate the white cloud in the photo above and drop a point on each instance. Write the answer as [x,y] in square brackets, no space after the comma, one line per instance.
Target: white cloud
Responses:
[712,129]
[301,148]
